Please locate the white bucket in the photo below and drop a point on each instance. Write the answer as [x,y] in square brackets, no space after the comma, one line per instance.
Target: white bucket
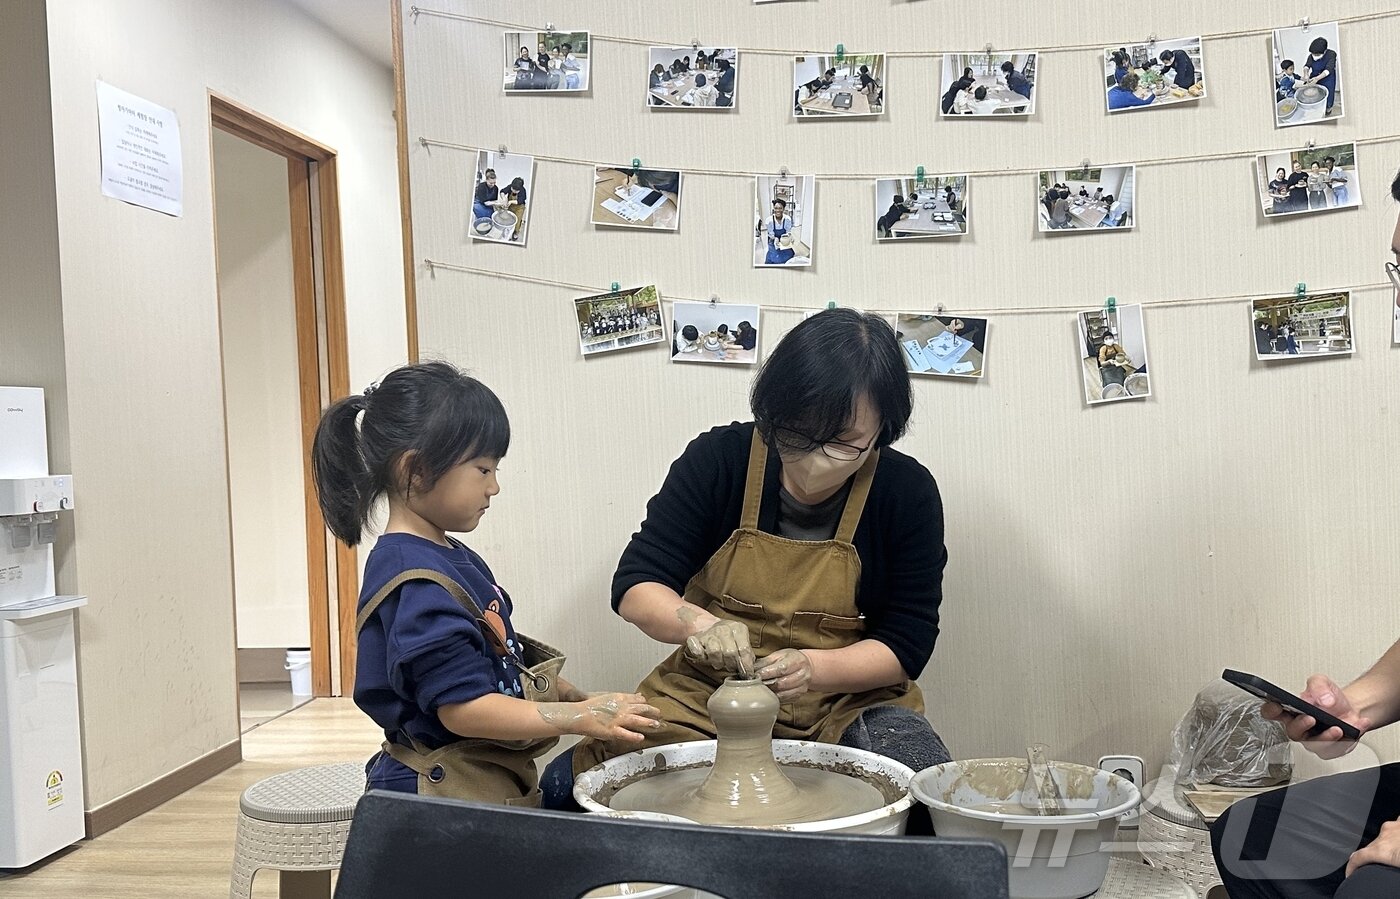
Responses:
[1060,857]
[299,664]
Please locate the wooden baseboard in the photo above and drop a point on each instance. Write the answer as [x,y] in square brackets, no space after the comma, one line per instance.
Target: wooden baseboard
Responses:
[141,800]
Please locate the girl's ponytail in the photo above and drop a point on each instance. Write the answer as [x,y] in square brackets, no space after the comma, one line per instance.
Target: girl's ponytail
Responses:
[343,486]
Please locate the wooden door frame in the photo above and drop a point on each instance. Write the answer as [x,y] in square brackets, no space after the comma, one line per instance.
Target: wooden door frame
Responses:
[410,286]
[301,151]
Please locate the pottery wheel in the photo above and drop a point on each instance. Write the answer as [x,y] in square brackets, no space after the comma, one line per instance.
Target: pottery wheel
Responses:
[746,786]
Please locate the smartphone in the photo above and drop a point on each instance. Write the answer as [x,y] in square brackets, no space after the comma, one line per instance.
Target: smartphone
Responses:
[1264,690]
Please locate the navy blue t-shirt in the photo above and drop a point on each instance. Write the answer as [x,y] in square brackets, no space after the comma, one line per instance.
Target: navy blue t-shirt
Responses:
[422,650]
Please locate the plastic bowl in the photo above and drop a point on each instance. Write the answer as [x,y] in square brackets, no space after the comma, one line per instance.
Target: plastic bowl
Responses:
[1061,857]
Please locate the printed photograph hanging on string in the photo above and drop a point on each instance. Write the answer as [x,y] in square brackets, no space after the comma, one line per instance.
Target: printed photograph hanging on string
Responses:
[718,333]
[1113,354]
[698,77]
[947,346]
[634,197]
[1154,74]
[840,85]
[921,207]
[501,197]
[984,84]
[1311,179]
[1307,83]
[1086,199]
[619,320]
[547,61]
[1301,326]
[784,220]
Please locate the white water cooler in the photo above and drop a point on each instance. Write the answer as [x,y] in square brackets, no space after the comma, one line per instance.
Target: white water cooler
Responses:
[41,776]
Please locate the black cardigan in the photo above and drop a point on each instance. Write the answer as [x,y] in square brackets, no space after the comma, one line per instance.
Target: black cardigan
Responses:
[899,538]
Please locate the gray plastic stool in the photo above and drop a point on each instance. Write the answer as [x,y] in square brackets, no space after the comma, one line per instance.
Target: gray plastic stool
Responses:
[296,822]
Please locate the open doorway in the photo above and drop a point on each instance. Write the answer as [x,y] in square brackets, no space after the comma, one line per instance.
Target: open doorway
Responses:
[282,325]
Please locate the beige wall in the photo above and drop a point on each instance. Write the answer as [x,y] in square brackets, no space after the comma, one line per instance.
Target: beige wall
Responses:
[31,311]
[1254,509]
[141,333]
[257,315]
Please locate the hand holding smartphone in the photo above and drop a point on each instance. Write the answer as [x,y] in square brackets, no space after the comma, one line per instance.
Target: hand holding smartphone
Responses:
[1290,703]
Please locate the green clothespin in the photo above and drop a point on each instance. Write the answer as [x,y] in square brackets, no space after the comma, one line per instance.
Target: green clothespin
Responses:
[1111,304]
[1301,291]
[616,287]
[636,165]
[831,304]
[919,172]
[840,53]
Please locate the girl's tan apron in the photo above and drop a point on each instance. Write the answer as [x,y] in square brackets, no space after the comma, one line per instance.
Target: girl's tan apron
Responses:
[499,771]
[789,593]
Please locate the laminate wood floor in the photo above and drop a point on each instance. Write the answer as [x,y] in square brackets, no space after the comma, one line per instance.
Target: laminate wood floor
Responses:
[184,848]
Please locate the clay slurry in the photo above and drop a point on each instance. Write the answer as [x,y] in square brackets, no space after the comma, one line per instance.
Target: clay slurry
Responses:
[746,786]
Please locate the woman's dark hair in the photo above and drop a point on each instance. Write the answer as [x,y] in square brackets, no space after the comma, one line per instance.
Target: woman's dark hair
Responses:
[723,63]
[898,200]
[782,203]
[745,326]
[1110,198]
[810,382]
[431,414]
[1318,46]
[1395,188]
[567,48]
[1167,56]
[659,68]
[1129,82]
[517,184]
[967,71]
[700,81]
[1281,171]
[490,173]
[690,332]
[1008,66]
[865,70]
[524,49]
[722,329]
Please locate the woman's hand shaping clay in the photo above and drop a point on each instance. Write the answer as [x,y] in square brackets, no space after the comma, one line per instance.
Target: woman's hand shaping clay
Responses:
[724,645]
[787,672]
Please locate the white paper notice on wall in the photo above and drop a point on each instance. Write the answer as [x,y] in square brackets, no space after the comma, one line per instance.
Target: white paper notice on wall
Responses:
[140,151]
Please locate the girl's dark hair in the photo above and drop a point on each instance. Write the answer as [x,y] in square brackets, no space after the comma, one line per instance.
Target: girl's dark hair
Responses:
[810,382]
[431,413]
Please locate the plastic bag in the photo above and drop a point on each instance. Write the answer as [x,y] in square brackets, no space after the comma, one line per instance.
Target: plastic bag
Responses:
[1224,740]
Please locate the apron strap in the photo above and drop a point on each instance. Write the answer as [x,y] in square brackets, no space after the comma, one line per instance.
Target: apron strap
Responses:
[418,574]
[753,485]
[855,502]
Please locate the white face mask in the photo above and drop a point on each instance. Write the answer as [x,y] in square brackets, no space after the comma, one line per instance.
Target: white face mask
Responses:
[816,472]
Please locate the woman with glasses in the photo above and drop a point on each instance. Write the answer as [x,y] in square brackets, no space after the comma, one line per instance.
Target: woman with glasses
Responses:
[799,548]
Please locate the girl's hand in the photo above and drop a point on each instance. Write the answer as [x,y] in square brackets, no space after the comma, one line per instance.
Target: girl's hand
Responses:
[611,717]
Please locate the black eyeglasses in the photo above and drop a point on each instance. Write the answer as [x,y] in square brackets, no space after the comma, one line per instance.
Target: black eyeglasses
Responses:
[1393,270]
[797,442]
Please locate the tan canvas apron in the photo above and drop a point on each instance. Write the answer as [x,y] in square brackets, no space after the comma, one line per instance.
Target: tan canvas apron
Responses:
[499,771]
[789,593]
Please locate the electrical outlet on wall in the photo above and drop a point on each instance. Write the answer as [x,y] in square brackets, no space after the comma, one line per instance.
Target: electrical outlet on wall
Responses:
[1132,768]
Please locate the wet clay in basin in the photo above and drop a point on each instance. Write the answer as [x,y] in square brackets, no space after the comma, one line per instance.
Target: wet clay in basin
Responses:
[745,786]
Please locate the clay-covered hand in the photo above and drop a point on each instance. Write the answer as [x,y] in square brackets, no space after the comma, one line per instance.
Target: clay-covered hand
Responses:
[1383,850]
[787,672]
[1324,693]
[724,645]
[622,717]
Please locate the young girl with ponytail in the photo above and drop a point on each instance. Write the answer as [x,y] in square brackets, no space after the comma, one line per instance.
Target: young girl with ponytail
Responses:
[466,703]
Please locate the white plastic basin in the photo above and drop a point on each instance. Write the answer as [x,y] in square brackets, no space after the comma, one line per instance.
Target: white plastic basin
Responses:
[1057,857]
[886,820]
